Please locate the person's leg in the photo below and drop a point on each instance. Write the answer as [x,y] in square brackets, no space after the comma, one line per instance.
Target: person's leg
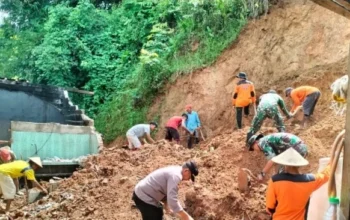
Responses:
[256,123]
[246,110]
[239,117]
[175,134]
[190,140]
[196,134]
[316,96]
[277,117]
[135,141]
[130,142]
[168,135]
[16,182]
[8,189]
[307,107]
[148,212]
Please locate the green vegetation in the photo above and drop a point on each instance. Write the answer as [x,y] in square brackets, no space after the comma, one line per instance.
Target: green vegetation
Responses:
[124,51]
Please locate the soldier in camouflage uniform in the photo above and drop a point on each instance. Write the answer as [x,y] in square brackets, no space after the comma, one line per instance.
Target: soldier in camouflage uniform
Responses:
[273,145]
[268,108]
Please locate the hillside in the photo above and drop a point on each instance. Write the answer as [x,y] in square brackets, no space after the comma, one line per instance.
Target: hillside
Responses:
[294,45]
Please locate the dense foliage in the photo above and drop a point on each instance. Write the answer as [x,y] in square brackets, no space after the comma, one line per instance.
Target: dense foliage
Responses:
[124,51]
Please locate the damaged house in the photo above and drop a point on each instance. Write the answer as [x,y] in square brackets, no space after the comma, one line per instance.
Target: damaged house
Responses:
[40,120]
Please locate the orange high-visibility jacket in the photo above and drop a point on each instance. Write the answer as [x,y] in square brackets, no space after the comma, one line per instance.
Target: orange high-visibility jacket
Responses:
[244,94]
[299,94]
[288,194]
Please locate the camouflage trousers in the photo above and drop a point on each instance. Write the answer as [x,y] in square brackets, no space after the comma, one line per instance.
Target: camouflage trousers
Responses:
[263,113]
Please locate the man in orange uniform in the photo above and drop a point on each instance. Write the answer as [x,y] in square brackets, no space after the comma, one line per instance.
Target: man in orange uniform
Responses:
[243,96]
[288,193]
[307,96]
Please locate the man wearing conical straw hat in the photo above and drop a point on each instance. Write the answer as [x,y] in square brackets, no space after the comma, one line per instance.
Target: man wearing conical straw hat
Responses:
[288,193]
[16,169]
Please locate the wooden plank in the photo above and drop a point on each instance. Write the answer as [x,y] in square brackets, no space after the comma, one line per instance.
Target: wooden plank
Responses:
[343,8]
[345,186]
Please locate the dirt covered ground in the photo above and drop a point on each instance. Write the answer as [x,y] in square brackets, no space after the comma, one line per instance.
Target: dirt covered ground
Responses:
[298,43]
[103,189]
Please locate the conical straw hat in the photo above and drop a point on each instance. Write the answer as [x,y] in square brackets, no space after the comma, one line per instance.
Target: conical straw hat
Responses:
[290,157]
[37,161]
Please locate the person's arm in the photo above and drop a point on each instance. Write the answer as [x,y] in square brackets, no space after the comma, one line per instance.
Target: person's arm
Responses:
[198,121]
[29,174]
[269,154]
[253,96]
[144,141]
[296,101]
[235,94]
[271,200]
[150,138]
[268,166]
[16,182]
[173,200]
[252,93]
[322,177]
[183,215]
[183,125]
[36,184]
[282,105]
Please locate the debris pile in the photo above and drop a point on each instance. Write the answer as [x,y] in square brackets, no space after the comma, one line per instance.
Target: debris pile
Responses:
[103,188]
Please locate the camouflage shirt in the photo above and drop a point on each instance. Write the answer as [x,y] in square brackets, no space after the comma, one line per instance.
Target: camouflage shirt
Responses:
[269,100]
[274,144]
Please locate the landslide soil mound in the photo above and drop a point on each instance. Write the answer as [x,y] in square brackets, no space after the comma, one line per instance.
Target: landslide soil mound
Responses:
[297,43]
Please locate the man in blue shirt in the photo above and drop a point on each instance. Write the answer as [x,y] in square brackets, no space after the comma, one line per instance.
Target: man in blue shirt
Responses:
[192,124]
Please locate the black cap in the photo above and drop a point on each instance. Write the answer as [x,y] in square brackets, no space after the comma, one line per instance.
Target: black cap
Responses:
[192,166]
[154,123]
[242,75]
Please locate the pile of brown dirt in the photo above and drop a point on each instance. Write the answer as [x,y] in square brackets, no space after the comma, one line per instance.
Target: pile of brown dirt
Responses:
[103,189]
[298,44]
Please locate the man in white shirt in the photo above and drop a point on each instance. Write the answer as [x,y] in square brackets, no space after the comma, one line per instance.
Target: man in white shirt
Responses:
[162,185]
[138,131]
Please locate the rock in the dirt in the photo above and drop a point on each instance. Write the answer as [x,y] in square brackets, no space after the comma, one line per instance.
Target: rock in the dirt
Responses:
[67,196]
[105,182]
[123,179]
